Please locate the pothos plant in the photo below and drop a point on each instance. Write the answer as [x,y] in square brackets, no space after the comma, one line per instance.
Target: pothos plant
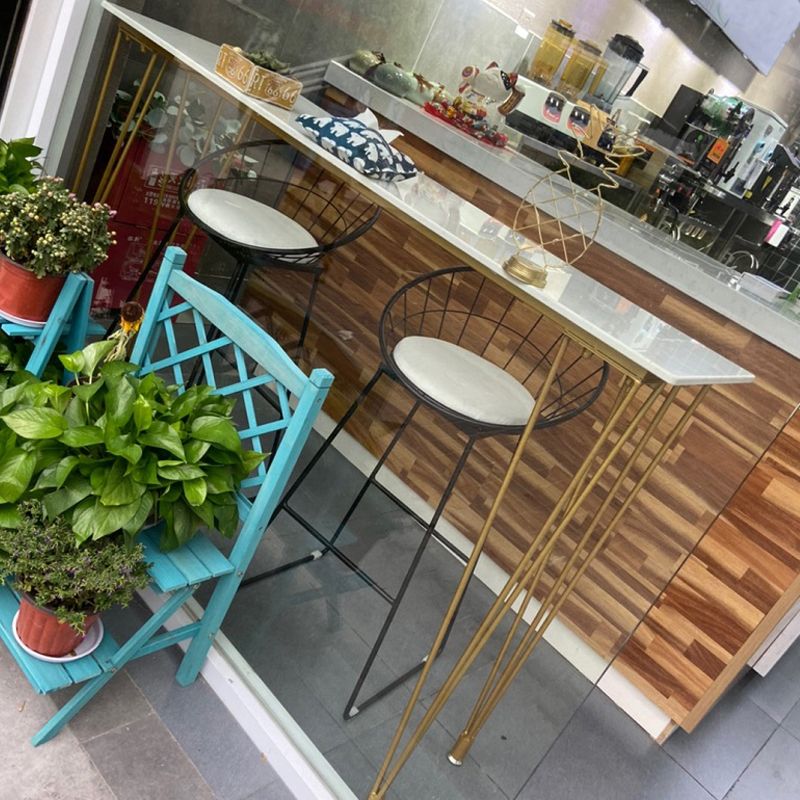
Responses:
[112,449]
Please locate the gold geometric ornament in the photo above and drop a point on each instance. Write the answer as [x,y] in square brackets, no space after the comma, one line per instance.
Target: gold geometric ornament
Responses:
[554,217]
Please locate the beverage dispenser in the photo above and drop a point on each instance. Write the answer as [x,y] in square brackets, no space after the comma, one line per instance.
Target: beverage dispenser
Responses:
[622,56]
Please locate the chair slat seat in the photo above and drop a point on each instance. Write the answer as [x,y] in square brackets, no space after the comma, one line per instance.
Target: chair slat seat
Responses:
[197,561]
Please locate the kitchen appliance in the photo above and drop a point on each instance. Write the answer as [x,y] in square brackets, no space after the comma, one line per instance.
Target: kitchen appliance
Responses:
[556,41]
[552,118]
[714,130]
[584,59]
[771,189]
[621,57]
[754,151]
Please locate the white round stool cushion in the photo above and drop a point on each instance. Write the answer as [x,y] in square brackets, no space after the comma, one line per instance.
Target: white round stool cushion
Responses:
[463,381]
[248,222]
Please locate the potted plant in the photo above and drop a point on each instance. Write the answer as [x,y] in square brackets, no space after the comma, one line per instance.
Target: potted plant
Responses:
[64,586]
[114,448]
[18,169]
[44,235]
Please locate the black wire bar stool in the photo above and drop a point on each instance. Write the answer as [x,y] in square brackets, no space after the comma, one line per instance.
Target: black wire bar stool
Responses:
[465,348]
[269,207]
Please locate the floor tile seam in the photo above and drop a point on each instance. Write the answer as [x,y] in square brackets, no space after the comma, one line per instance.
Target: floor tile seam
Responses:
[99,772]
[151,713]
[552,745]
[750,762]
[790,732]
[177,742]
[697,780]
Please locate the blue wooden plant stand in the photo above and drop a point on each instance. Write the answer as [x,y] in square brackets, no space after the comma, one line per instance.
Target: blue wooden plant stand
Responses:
[259,362]
[68,321]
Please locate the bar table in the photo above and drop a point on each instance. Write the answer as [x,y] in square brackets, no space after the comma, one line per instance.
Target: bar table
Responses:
[664,375]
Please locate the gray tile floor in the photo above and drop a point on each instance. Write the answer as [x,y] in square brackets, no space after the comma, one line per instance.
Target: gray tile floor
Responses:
[142,738]
[308,631]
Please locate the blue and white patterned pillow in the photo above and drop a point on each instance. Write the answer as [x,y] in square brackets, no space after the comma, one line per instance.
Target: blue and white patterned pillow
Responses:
[361,147]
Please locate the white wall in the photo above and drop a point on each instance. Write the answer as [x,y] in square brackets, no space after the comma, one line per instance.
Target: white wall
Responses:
[41,69]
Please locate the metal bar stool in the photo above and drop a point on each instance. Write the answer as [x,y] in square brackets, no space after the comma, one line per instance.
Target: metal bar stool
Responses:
[266,205]
[465,348]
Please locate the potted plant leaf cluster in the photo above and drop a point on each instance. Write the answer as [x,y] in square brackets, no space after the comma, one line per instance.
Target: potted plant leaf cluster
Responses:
[18,167]
[90,464]
[46,233]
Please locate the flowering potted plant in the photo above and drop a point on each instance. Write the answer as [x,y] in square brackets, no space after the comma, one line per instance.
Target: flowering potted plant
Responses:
[64,585]
[44,235]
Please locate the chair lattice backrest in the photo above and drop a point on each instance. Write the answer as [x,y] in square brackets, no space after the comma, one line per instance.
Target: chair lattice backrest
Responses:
[204,338]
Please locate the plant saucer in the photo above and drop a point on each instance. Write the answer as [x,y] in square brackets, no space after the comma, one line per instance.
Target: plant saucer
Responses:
[31,323]
[89,644]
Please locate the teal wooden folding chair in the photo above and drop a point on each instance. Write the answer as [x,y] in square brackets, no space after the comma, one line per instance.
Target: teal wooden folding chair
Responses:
[258,363]
[68,321]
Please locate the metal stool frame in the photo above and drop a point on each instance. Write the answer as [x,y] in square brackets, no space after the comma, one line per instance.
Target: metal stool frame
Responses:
[436,303]
[331,211]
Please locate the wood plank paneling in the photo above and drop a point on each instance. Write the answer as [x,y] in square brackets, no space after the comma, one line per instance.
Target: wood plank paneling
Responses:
[721,592]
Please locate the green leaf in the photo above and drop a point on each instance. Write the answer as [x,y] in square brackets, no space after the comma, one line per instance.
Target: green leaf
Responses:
[217,431]
[75,413]
[162,436]
[73,362]
[74,490]
[189,400]
[16,471]
[10,516]
[195,450]
[36,423]
[227,518]
[119,490]
[83,436]
[205,512]
[219,480]
[94,353]
[195,491]
[137,521]
[100,520]
[86,391]
[184,523]
[114,369]
[53,476]
[146,471]
[123,445]
[11,396]
[251,459]
[181,472]
[142,414]
[119,401]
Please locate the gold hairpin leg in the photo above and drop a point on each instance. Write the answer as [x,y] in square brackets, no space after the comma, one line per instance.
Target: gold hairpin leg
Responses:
[380,786]
[506,599]
[87,144]
[494,689]
[136,115]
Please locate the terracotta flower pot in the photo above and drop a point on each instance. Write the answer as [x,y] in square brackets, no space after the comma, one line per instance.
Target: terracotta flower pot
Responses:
[23,296]
[40,630]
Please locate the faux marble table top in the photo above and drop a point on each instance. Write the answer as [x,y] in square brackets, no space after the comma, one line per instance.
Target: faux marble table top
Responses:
[637,335]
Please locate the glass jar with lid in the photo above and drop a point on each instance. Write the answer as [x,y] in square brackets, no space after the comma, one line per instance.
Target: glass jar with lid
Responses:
[555,43]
